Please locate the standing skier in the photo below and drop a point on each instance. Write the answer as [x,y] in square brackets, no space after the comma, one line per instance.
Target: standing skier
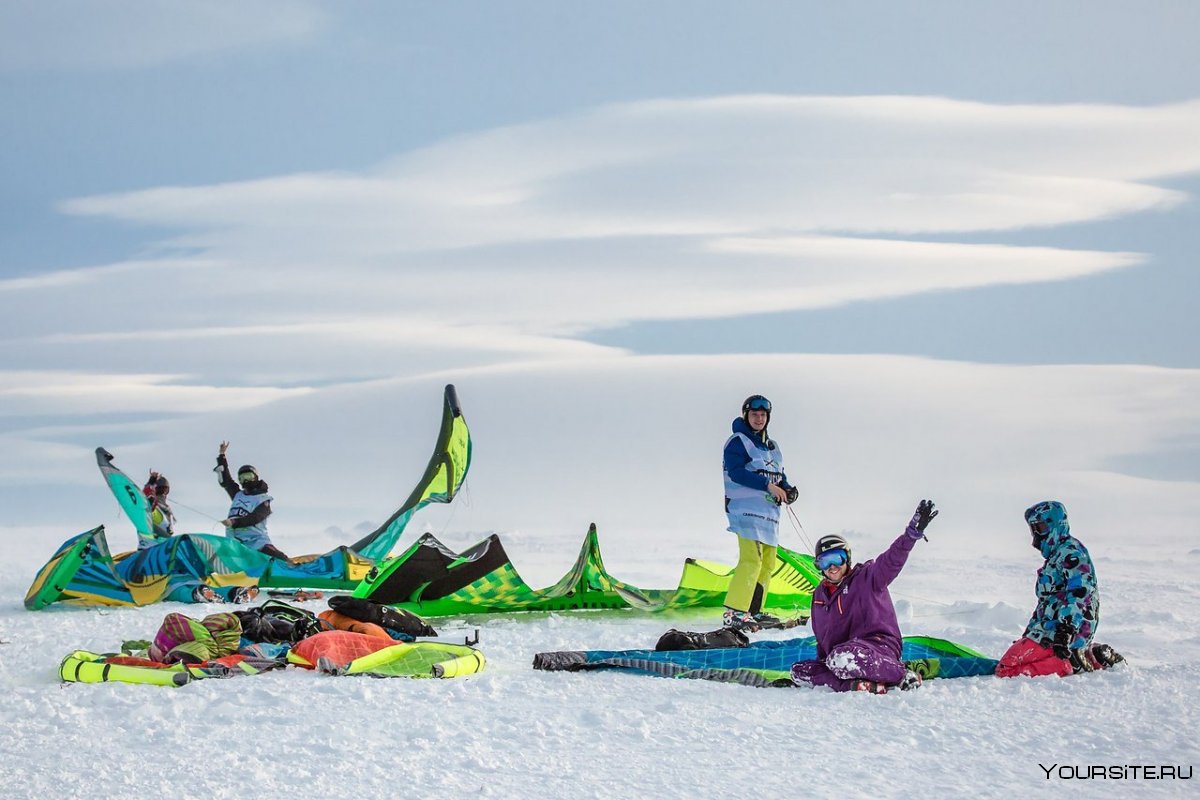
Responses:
[858,635]
[1058,638]
[755,487]
[247,520]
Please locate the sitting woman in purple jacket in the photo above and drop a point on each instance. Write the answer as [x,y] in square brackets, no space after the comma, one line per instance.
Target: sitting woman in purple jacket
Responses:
[858,636]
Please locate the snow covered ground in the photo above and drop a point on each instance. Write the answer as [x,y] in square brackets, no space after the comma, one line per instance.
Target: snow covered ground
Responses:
[514,732]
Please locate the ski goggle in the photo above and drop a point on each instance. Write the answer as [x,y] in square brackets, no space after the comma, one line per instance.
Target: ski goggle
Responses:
[759,404]
[247,477]
[1039,527]
[832,558]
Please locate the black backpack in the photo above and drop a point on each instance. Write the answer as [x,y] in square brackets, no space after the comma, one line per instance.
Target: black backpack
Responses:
[713,640]
[395,619]
[277,622]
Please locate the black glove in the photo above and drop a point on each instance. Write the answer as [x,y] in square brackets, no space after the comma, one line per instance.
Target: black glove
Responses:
[925,514]
[1064,634]
[921,518]
[792,495]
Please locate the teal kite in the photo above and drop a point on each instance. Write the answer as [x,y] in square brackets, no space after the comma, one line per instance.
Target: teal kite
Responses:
[766,663]
[84,572]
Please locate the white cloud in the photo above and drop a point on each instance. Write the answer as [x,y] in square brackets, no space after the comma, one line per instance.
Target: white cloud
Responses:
[715,167]
[55,393]
[483,256]
[658,209]
[634,444]
[93,34]
[362,318]
[86,278]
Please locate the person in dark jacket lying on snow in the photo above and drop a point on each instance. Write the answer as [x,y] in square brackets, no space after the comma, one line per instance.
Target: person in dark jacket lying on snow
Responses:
[1058,638]
[247,520]
[858,635]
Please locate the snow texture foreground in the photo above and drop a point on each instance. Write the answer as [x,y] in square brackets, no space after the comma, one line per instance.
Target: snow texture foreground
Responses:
[513,732]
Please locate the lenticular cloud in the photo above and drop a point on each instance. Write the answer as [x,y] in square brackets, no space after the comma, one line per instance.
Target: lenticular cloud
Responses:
[507,246]
[637,199]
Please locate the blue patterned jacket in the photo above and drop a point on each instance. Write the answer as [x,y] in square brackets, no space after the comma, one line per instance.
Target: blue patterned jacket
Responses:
[1066,590]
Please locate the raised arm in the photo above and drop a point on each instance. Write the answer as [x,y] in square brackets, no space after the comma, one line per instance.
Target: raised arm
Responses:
[222,469]
[885,568]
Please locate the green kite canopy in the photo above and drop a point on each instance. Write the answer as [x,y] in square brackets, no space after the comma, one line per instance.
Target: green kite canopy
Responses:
[432,580]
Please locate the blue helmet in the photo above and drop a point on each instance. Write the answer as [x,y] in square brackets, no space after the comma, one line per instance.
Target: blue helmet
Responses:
[1044,517]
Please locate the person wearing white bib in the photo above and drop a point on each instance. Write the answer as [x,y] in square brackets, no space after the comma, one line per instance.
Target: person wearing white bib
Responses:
[249,507]
[755,488]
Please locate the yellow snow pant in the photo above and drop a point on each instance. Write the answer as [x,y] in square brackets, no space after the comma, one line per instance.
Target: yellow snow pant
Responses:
[756,562]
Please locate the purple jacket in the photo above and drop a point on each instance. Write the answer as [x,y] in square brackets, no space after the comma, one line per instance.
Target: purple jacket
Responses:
[860,607]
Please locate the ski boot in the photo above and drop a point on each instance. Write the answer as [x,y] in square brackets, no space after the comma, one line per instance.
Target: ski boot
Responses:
[243,594]
[1105,656]
[740,621]
[761,618]
[872,687]
[204,594]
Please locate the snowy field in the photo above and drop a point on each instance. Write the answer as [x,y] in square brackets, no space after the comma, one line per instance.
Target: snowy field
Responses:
[955,248]
[514,732]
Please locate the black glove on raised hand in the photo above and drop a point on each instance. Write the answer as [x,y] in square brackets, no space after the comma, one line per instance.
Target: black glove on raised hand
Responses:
[1064,634]
[921,518]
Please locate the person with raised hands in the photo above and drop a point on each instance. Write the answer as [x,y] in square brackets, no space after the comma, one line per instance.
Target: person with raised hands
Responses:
[853,619]
[250,506]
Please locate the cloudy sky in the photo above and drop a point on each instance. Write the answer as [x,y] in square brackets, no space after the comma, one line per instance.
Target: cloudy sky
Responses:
[955,246]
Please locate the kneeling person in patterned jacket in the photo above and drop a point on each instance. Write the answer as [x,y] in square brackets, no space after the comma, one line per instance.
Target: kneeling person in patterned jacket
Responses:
[1058,638]
[858,635]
